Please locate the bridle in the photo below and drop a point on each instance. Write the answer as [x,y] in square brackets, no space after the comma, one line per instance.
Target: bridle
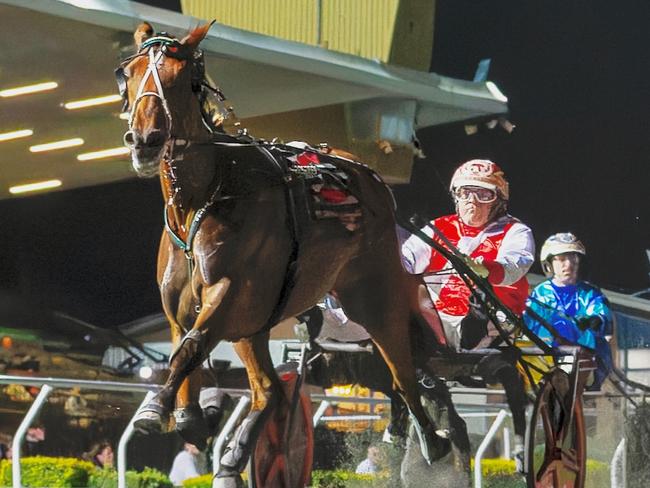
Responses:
[152,70]
[168,47]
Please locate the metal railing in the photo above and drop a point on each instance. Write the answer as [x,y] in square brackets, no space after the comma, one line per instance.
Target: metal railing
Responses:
[478,457]
[226,432]
[618,466]
[22,430]
[124,440]
[49,384]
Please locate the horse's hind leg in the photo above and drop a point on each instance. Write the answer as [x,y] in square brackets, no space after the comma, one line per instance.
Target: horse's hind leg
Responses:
[397,428]
[199,407]
[495,369]
[254,353]
[386,316]
[433,446]
[437,392]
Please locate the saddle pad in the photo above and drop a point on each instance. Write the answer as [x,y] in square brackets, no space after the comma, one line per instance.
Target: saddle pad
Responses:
[328,188]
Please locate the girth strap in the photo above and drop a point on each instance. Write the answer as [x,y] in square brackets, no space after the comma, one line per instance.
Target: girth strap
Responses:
[294,231]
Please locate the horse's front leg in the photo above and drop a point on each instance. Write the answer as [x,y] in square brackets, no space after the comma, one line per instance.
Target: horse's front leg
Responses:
[191,351]
[199,407]
[188,413]
[264,385]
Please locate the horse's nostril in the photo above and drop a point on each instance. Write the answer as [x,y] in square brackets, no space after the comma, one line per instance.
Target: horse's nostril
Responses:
[129,138]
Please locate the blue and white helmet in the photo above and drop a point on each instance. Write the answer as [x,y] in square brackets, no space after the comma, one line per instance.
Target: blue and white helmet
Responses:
[560,243]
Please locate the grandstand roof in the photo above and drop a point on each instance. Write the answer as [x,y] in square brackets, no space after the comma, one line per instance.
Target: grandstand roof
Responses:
[77,44]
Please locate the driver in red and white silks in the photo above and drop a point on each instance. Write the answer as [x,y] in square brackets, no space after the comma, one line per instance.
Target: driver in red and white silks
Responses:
[498,247]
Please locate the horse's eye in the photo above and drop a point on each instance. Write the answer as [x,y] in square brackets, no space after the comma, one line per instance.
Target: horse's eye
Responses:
[172,49]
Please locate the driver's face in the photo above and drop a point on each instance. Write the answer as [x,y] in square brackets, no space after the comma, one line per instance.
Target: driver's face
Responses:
[473,212]
[565,268]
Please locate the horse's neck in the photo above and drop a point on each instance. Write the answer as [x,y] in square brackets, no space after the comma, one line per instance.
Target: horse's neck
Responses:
[187,180]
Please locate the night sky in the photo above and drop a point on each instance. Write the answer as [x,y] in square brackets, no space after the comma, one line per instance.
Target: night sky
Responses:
[577,77]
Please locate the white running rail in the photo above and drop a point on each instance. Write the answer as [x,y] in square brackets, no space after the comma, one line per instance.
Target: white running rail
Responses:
[20,434]
[124,440]
[494,428]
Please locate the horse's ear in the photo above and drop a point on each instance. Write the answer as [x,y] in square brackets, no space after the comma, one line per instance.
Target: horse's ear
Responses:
[196,36]
[142,33]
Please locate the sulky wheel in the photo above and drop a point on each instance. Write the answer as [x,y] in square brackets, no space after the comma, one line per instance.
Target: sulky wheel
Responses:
[557,444]
[284,451]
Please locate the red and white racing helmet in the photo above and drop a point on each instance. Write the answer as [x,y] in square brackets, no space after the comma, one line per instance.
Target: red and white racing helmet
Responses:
[560,243]
[482,173]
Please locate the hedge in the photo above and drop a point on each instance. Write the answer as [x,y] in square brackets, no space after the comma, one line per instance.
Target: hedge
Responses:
[497,473]
[42,471]
[322,479]
[53,472]
[149,478]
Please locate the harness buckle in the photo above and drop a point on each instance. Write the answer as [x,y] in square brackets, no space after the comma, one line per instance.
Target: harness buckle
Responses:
[426,381]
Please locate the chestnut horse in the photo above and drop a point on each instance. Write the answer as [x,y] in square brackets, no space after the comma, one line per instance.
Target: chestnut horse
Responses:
[235,258]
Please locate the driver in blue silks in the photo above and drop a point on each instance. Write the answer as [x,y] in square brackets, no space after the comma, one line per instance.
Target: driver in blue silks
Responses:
[577,310]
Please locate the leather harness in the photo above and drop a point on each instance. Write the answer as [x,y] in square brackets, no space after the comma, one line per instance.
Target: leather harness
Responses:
[275,156]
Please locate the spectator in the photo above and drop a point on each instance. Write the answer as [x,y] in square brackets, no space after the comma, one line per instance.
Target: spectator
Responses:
[101,455]
[372,463]
[188,463]
[5,451]
[33,440]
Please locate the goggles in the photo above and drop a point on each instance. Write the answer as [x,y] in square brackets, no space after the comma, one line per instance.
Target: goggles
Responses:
[481,195]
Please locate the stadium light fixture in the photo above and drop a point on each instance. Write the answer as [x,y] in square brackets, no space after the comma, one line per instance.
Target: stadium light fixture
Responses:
[28,89]
[92,102]
[52,146]
[36,186]
[15,134]
[104,153]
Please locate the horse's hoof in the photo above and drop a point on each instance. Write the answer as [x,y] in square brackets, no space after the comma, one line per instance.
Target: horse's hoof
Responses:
[519,455]
[520,465]
[214,402]
[439,448]
[433,445]
[212,417]
[149,422]
[191,425]
[231,480]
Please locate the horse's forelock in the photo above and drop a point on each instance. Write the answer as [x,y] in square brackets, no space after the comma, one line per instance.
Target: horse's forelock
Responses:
[196,35]
[142,33]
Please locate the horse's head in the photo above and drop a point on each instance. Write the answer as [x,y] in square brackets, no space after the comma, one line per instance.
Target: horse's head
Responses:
[159,85]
